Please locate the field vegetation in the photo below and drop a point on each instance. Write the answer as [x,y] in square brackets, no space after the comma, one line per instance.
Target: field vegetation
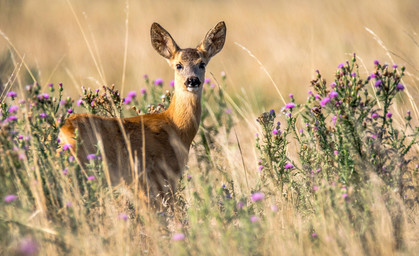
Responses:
[308,142]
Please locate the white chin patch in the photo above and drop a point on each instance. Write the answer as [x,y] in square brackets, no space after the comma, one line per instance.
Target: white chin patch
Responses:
[193,89]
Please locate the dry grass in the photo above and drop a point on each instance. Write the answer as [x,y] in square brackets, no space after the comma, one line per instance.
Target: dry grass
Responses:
[92,46]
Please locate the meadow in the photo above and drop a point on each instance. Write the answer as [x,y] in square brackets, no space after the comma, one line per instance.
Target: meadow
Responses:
[308,142]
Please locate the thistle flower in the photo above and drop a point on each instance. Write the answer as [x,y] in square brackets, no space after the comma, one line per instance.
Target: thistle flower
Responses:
[389,115]
[315,188]
[158,81]
[91,178]
[13,108]
[400,87]
[12,94]
[143,91]
[79,102]
[132,94]
[395,66]
[10,198]
[67,147]
[91,157]
[275,132]
[123,216]
[333,94]
[254,219]
[374,116]
[127,100]
[28,246]
[341,65]
[207,81]
[178,237]
[290,105]
[228,111]
[43,115]
[240,205]
[376,62]
[274,208]
[324,101]
[257,196]
[291,95]
[172,83]
[288,166]
[260,167]
[333,85]
[70,111]
[378,83]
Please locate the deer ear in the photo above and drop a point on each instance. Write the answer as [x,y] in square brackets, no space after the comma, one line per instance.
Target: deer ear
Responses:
[162,41]
[214,40]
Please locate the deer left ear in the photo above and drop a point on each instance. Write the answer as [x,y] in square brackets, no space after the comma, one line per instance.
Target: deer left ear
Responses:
[214,40]
[162,41]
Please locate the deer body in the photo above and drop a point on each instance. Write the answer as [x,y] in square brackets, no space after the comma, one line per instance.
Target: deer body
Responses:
[159,142]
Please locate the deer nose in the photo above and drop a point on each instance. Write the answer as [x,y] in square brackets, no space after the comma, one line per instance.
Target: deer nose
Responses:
[192,81]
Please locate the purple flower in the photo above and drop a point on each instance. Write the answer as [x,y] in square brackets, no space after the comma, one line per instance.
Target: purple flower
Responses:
[324,101]
[254,219]
[10,198]
[376,62]
[13,108]
[28,246]
[334,118]
[353,74]
[50,85]
[127,100]
[70,111]
[260,167]
[228,111]
[70,158]
[341,65]
[207,81]
[275,132]
[91,178]
[310,93]
[178,237]
[333,94]
[65,171]
[395,66]
[315,188]
[378,83]
[314,234]
[223,74]
[400,87]
[67,147]
[389,115]
[43,115]
[291,95]
[12,118]
[274,208]
[336,152]
[240,205]
[272,112]
[288,166]
[91,157]
[45,96]
[212,86]
[79,102]
[132,94]
[158,81]
[344,195]
[257,196]
[374,116]
[145,76]
[172,83]
[373,75]
[69,204]
[333,85]
[290,105]
[317,96]
[12,94]
[123,216]
[143,91]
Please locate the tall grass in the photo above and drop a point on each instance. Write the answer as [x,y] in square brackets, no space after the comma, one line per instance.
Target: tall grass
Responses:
[335,174]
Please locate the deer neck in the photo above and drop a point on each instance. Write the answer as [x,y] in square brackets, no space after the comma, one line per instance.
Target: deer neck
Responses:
[185,113]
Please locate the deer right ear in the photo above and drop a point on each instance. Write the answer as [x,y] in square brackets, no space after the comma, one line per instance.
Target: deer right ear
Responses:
[162,41]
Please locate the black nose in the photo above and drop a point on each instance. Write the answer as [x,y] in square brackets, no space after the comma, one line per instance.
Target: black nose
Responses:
[192,81]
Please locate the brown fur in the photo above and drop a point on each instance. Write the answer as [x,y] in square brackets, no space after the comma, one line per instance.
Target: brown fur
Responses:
[168,135]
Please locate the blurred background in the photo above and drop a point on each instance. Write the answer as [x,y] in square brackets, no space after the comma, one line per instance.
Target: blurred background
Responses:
[86,43]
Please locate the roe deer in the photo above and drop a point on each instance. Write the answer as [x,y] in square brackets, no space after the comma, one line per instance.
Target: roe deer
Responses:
[157,142]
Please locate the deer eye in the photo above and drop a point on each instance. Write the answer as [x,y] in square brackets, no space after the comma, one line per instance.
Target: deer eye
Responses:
[202,65]
[179,66]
